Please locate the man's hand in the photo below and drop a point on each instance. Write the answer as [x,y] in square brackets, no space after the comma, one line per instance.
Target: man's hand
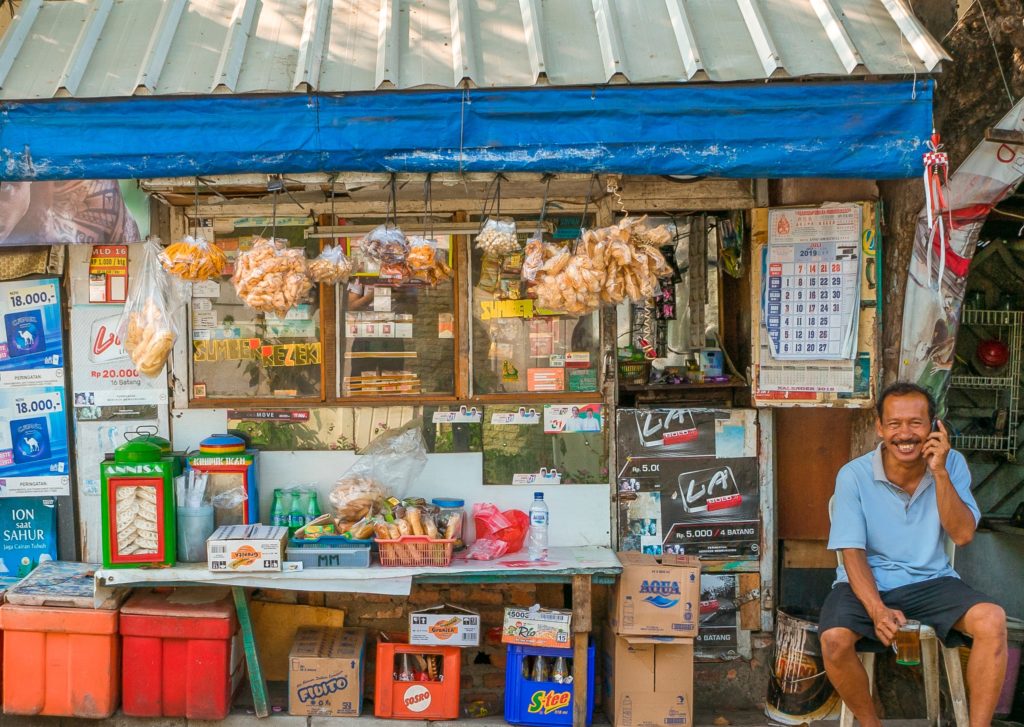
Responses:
[887,623]
[935,448]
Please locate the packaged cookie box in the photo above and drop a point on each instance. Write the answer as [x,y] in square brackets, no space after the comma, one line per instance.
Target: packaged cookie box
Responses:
[246,548]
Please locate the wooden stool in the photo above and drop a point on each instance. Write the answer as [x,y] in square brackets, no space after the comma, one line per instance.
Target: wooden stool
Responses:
[930,665]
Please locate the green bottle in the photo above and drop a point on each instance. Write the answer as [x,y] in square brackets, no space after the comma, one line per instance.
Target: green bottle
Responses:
[277,516]
[296,519]
[312,508]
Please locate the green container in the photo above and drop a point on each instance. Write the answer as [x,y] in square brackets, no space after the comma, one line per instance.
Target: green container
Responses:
[137,506]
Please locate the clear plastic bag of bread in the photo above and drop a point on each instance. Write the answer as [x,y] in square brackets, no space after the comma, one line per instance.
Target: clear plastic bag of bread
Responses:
[147,325]
[424,262]
[385,245]
[194,260]
[331,267]
[271,277]
[498,237]
[386,467]
[533,257]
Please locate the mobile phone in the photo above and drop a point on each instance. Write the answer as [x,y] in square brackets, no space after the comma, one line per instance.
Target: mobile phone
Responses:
[935,425]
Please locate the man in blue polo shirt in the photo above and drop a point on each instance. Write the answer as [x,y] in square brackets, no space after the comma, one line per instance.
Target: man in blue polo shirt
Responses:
[893,509]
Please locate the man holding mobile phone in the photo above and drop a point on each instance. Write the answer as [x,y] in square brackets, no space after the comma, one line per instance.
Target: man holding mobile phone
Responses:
[892,511]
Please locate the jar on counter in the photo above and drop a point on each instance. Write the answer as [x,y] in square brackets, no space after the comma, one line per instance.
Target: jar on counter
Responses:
[451,519]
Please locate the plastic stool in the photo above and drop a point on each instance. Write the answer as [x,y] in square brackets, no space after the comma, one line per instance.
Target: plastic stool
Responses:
[930,665]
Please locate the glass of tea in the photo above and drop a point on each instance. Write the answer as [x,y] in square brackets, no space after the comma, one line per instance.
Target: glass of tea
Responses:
[908,644]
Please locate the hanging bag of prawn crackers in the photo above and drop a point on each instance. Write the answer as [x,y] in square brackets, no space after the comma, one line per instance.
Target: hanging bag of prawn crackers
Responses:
[147,326]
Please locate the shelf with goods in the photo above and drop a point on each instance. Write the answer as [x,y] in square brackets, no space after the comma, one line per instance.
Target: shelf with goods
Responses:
[1001,391]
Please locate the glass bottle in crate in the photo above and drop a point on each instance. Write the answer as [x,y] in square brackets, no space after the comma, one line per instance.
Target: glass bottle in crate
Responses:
[540,669]
[560,671]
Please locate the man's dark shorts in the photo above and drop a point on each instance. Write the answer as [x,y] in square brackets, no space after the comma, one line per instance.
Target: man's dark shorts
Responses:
[939,603]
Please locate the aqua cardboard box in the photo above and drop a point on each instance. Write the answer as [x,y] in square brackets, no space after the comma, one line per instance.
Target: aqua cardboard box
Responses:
[656,597]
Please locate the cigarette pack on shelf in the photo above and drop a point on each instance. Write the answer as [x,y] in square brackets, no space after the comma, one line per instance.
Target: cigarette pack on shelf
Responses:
[137,506]
[538,686]
[417,682]
[415,551]
[178,650]
[232,484]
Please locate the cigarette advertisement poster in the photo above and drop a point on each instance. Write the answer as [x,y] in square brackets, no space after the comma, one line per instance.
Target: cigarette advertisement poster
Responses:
[688,482]
[719,614]
[33,410]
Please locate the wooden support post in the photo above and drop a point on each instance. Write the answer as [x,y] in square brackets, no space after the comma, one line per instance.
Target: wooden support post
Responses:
[581,625]
[257,681]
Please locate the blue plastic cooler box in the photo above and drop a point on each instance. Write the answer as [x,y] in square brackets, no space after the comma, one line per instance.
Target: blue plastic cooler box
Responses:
[542,703]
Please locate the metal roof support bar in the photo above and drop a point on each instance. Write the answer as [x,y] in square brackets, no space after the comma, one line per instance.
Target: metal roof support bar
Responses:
[230,65]
[84,46]
[926,47]
[160,45]
[685,38]
[530,10]
[463,61]
[311,46]
[767,53]
[387,45]
[17,34]
[837,35]
[612,53]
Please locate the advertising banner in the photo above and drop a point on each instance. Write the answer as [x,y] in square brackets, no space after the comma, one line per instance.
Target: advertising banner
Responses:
[93,211]
[688,482]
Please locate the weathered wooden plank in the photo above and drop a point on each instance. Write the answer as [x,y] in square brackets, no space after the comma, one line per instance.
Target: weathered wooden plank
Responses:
[257,681]
[581,626]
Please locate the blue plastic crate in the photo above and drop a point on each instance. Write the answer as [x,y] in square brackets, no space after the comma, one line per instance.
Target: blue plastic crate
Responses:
[542,703]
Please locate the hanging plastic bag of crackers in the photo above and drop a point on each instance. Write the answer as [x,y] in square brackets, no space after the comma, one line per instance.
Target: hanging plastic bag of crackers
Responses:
[147,327]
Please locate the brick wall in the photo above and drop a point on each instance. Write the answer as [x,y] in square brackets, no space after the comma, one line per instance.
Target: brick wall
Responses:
[483,668]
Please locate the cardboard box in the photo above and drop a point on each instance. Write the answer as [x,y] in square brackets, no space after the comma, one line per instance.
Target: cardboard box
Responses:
[653,598]
[325,672]
[537,626]
[247,548]
[444,625]
[648,681]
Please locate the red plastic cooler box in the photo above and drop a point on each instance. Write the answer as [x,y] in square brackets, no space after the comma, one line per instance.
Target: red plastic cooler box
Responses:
[177,656]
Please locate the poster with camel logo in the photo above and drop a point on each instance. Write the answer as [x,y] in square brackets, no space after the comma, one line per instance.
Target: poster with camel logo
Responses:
[30,334]
[33,442]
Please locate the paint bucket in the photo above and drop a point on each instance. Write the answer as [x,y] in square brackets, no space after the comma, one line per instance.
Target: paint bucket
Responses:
[798,690]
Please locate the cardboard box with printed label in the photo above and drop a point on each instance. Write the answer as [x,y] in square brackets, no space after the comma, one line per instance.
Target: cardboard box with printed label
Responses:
[246,548]
[537,627]
[325,672]
[648,681]
[656,598]
[444,625]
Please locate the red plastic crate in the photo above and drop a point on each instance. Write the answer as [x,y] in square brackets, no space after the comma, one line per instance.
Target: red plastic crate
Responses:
[420,700]
[177,657]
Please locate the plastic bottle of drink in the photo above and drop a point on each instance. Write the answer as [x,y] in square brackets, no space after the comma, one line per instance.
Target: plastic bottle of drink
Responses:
[296,518]
[537,541]
[312,508]
[277,516]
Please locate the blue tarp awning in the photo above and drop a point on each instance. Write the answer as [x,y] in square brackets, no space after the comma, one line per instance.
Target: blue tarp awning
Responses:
[868,130]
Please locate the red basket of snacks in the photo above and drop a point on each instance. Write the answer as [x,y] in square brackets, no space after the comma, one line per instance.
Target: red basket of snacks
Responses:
[415,550]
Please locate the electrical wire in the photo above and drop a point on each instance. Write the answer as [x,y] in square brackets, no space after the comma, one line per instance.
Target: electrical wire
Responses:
[995,52]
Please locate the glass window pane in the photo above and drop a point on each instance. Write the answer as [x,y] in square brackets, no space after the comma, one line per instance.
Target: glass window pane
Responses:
[397,336]
[239,353]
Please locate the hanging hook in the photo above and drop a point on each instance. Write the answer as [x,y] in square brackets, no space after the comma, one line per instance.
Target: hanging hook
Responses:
[195,221]
[428,209]
[391,216]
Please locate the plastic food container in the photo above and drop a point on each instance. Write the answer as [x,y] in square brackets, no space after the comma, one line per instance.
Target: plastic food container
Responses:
[330,551]
[451,507]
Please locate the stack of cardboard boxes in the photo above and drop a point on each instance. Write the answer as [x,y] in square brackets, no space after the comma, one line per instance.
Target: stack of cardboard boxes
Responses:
[648,647]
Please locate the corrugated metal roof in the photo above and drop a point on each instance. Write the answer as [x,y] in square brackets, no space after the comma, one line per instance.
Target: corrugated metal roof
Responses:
[117,48]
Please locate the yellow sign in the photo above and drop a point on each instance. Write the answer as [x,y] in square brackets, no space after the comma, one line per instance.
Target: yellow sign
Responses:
[253,349]
[490,309]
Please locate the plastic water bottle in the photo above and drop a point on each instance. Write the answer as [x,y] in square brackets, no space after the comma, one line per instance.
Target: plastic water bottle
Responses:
[537,541]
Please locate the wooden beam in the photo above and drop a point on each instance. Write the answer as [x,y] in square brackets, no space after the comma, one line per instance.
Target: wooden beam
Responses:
[581,626]
[1005,136]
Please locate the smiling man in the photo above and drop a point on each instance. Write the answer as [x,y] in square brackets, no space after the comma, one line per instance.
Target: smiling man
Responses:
[893,509]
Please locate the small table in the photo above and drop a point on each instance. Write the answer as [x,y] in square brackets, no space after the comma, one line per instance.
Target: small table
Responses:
[580,566]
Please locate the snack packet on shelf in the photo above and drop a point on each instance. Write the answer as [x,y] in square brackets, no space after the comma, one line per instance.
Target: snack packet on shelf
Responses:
[331,267]
[498,237]
[271,277]
[147,325]
[194,260]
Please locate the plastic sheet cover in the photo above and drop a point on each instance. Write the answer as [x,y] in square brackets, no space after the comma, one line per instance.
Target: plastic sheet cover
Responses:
[863,130]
